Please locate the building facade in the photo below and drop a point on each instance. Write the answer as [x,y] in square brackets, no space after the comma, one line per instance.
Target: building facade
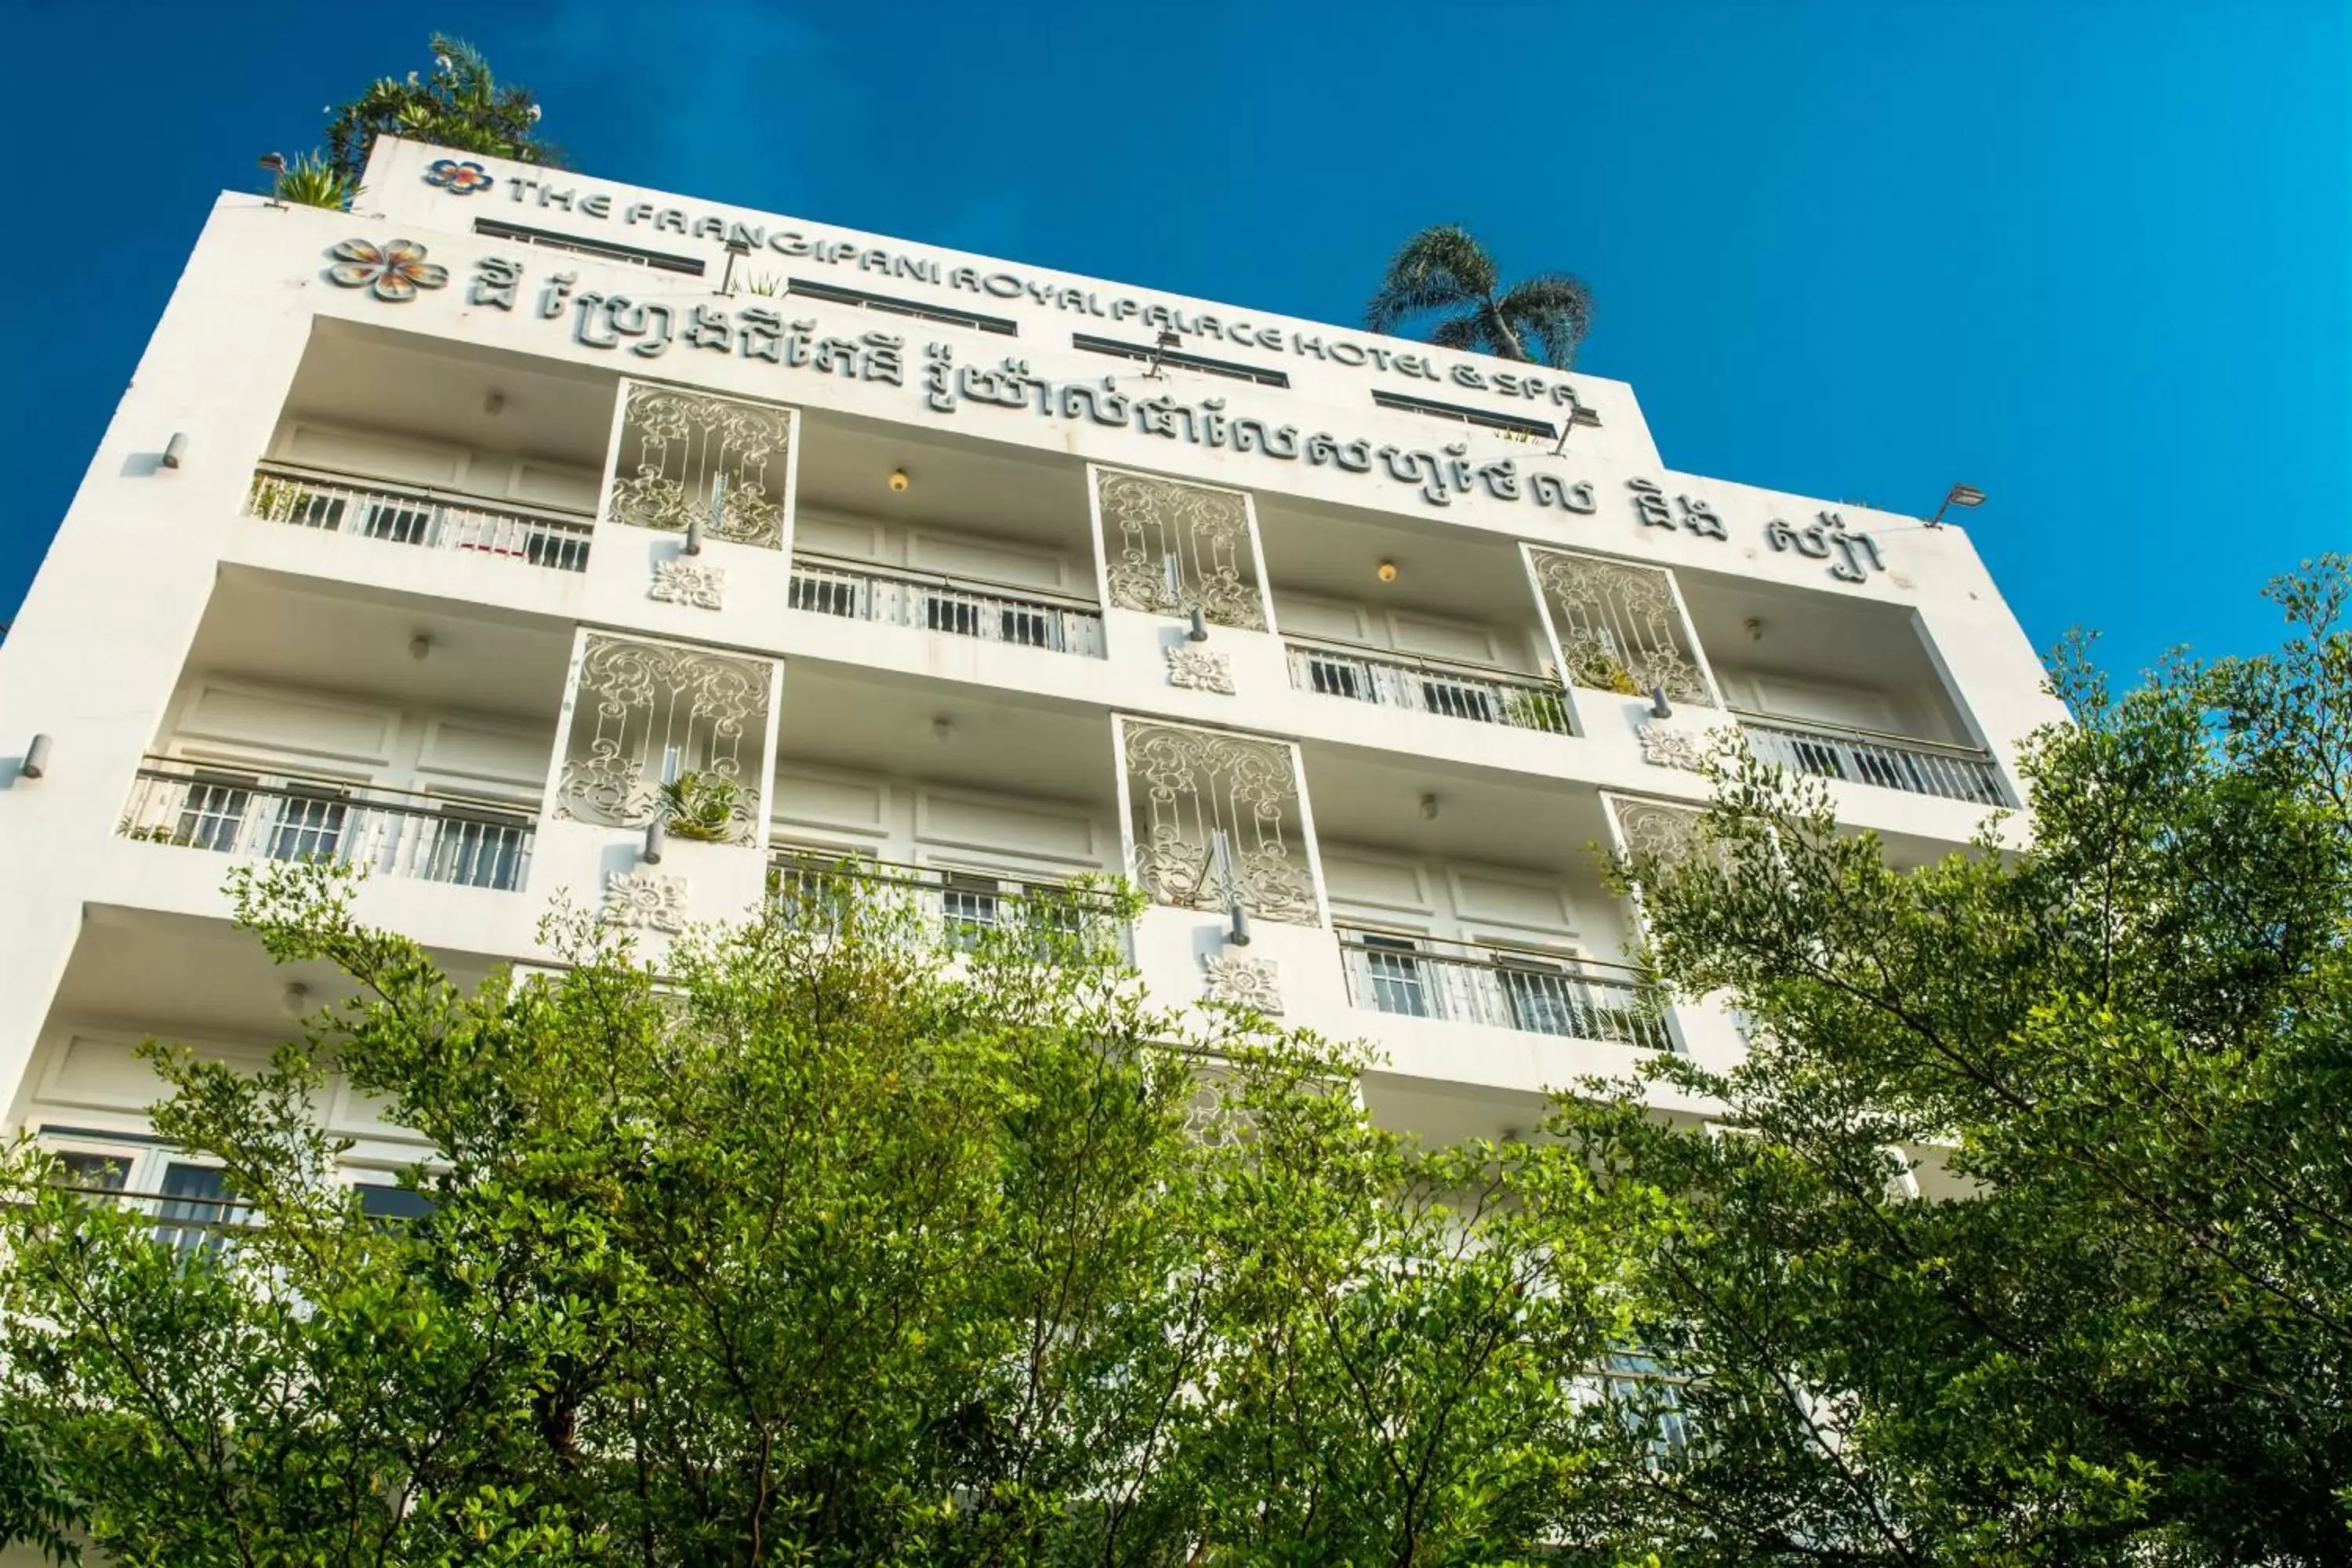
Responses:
[436,538]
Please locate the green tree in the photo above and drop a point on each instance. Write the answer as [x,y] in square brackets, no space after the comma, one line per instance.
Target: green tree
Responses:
[1445,269]
[2116,1324]
[459,104]
[826,1243]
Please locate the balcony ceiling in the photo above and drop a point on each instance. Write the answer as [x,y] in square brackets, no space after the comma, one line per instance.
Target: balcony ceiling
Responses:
[836,716]
[349,638]
[1373,801]
[1442,570]
[438,389]
[957,485]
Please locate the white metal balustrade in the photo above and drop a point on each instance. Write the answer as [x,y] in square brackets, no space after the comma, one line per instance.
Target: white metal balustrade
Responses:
[1865,756]
[1503,988]
[277,817]
[962,606]
[423,518]
[1407,681]
[955,906]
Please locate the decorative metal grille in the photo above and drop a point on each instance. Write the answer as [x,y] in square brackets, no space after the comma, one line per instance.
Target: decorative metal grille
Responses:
[645,712]
[1620,626]
[677,446]
[1649,828]
[1188,785]
[1176,548]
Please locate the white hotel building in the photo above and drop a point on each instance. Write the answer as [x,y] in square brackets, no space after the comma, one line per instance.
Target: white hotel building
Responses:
[1013,577]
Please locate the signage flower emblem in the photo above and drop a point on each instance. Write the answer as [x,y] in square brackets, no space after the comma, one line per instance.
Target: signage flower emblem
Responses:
[457,178]
[394,272]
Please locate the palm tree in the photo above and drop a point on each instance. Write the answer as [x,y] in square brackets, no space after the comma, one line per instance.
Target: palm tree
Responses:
[1445,268]
[460,105]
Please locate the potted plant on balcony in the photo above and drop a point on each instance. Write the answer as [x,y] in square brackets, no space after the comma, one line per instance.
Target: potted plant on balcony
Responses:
[1536,711]
[700,806]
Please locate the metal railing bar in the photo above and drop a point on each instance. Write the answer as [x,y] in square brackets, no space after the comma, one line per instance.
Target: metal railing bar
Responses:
[337,479]
[1371,654]
[982,586]
[1811,727]
[346,791]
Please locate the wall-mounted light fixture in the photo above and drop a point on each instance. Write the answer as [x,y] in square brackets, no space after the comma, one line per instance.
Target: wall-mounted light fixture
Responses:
[693,545]
[735,250]
[175,449]
[37,758]
[1429,809]
[295,1000]
[1386,571]
[274,166]
[1198,630]
[656,840]
[899,482]
[494,403]
[1659,707]
[1959,495]
[420,647]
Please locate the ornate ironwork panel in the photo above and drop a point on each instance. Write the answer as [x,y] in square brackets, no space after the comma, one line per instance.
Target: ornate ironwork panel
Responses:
[1652,828]
[647,713]
[676,448]
[1175,548]
[1187,786]
[1620,626]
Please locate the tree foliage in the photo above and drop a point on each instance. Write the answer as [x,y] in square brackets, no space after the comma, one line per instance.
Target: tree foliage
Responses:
[458,104]
[2120,1328]
[826,1243]
[1444,271]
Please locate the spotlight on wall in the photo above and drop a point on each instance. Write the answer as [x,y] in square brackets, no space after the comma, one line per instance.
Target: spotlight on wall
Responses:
[1659,707]
[274,166]
[175,449]
[737,249]
[656,840]
[1198,631]
[899,482]
[37,758]
[420,647]
[1428,807]
[1387,570]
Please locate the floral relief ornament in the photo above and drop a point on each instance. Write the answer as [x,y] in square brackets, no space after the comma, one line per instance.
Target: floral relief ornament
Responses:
[644,900]
[1245,982]
[1200,669]
[689,582]
[393,272]
[1669,748]
[459,179]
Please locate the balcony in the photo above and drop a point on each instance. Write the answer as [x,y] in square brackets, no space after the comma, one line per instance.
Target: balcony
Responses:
[1867,756]
[960,606]
[419,517]
[280,817]
[956,906]
[1501,987]
[1423,685]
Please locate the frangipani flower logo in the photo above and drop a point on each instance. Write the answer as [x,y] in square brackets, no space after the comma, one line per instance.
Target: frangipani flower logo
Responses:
[394,271]
[458,179]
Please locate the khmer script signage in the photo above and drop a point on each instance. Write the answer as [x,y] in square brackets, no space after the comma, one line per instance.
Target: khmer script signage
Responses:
[652,328]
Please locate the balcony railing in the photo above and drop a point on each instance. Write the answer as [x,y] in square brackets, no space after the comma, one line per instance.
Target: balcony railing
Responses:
[433,520]
[1421,685]
[277,817]
[955,906]
[1865,756]
[992,611]
[1502,988]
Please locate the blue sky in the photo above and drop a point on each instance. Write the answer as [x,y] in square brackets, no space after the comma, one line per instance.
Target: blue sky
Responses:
[2092,256]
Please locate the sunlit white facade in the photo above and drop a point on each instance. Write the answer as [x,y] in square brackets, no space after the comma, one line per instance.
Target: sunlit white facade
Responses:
[436,536]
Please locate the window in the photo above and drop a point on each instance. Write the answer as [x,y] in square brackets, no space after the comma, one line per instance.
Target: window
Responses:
[946,315]
[1336,677]
[961,616]
[1456,701]
[212,814]
[1180,358]
[400,522]
[659,260]
[969,904]
[309,823]
[1540,999]
[1517,424]
[1647,1395]
[1030,628]
[93,1171]
[561,552]
[1395,973]
[479,848]
[825,595]
[384,1202]
[195,1207]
